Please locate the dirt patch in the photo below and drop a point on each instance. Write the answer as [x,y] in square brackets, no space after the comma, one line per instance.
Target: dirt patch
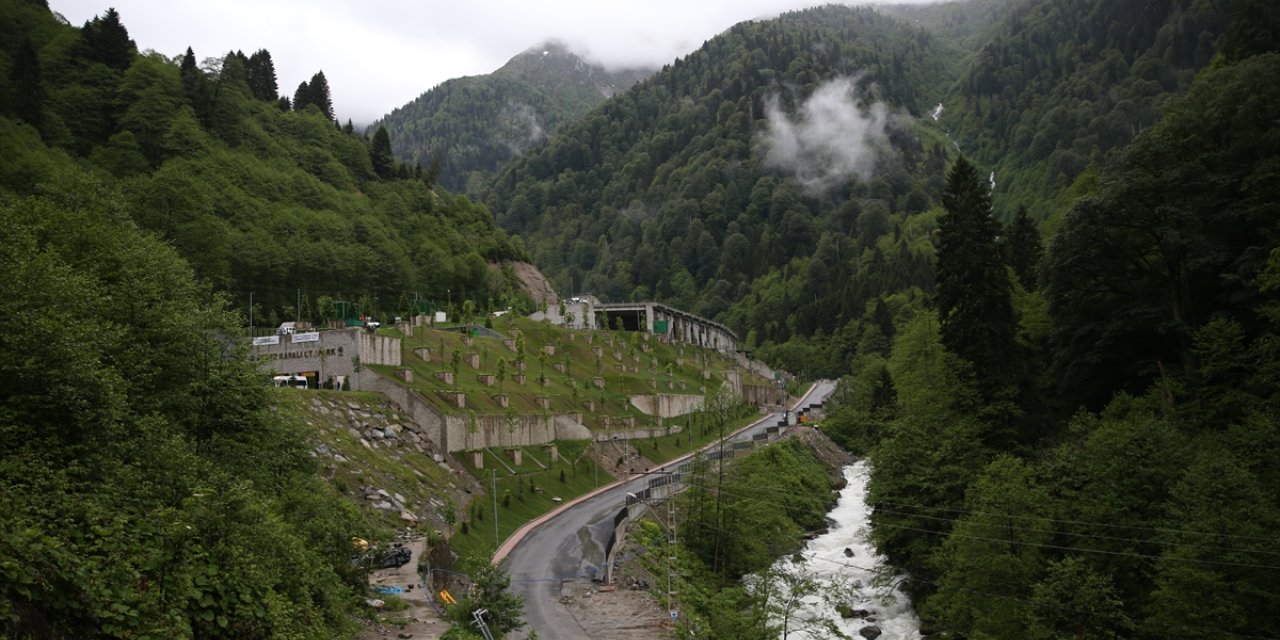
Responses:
[419,620]
[620,612]
[534,283]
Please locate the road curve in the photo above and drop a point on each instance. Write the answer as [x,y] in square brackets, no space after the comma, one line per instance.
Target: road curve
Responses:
[569,542]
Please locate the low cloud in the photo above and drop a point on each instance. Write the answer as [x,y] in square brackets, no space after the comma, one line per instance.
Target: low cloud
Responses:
[835,136]
[520,128]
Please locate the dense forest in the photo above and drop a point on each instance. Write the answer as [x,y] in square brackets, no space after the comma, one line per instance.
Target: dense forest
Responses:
[261,193]
[676,190]
[1096,458]
[468,128]
[150,487]
[666,192]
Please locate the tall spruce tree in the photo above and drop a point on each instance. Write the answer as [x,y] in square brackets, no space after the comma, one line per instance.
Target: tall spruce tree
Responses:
[105,39]
[380,154]
[261,73]
[1024,248]
[319,94]
[977,320]
[302,96]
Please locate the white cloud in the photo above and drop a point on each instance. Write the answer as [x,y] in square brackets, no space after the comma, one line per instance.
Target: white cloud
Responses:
[835,136]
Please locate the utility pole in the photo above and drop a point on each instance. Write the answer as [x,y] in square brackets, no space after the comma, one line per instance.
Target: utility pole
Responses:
[298,309]
[250,314]
[673,563]
[494,475]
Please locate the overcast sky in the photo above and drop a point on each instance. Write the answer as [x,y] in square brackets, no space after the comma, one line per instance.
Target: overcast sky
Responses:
[381,54]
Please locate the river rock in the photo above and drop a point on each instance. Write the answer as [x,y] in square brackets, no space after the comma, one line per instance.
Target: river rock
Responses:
[848,553]
[384,505]
[870,632]
[437,457]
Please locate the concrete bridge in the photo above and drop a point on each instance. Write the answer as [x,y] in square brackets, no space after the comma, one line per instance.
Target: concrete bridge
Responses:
[669,323]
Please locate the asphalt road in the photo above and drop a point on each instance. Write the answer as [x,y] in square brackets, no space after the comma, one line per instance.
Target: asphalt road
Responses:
[569,544]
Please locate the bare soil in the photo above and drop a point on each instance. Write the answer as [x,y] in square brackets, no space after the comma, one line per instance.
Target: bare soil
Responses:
[420,620]
[534,283]
[620,612]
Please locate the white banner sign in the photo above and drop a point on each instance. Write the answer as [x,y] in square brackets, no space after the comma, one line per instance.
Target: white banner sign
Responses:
[266,340]
[313,336]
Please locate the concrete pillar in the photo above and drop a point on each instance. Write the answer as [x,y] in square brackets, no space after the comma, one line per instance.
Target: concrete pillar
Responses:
[552,452]
[516,456]
[477,459]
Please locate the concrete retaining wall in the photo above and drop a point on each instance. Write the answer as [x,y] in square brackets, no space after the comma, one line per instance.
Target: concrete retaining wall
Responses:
[462,433]
[668,405]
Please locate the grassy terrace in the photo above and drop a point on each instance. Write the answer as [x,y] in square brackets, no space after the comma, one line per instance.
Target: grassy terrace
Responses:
[628,365]
[625,366]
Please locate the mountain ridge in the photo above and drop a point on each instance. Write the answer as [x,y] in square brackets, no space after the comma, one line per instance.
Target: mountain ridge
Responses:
[476,124]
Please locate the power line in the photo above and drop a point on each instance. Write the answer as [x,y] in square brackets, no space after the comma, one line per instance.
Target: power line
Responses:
[878,509]
[1032,544]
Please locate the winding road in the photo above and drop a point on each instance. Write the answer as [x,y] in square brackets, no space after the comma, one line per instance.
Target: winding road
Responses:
[568,543]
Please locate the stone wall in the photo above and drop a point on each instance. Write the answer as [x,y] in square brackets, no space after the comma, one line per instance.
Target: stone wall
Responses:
[666,405]
[462,433]
[376,349]
[763,395]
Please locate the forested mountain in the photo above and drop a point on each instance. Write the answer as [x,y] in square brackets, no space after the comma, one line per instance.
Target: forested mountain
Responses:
[1105,466]
[477,124]
[699,181]
[258,197]
[1059,84]
[149,486]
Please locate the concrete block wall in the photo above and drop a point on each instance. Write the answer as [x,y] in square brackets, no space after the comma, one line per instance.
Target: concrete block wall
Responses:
[476,432]
[668,405]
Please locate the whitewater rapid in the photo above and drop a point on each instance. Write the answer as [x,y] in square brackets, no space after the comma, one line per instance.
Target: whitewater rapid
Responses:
[889,609]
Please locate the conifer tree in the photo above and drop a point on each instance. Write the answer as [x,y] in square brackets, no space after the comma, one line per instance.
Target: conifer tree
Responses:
[195,86]
[1025,248]
[319,94]
[380,154]
[105,39]
[261,73]
[302,96]
[26,80]
[977,321]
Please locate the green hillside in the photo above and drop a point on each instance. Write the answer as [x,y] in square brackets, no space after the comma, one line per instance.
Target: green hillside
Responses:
[667,191]
[1060,84]
[474,125]
[280,203]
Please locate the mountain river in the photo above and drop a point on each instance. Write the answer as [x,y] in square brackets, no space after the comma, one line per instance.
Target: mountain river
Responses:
[885,608]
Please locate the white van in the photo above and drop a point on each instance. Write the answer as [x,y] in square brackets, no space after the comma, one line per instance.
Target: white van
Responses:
[293,382]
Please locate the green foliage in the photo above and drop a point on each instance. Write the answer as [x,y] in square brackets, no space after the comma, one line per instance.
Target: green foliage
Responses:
[1176,235]
[1056,85]
[663,192]
[149,488]
[975,314]
[734,521]
[491,591]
